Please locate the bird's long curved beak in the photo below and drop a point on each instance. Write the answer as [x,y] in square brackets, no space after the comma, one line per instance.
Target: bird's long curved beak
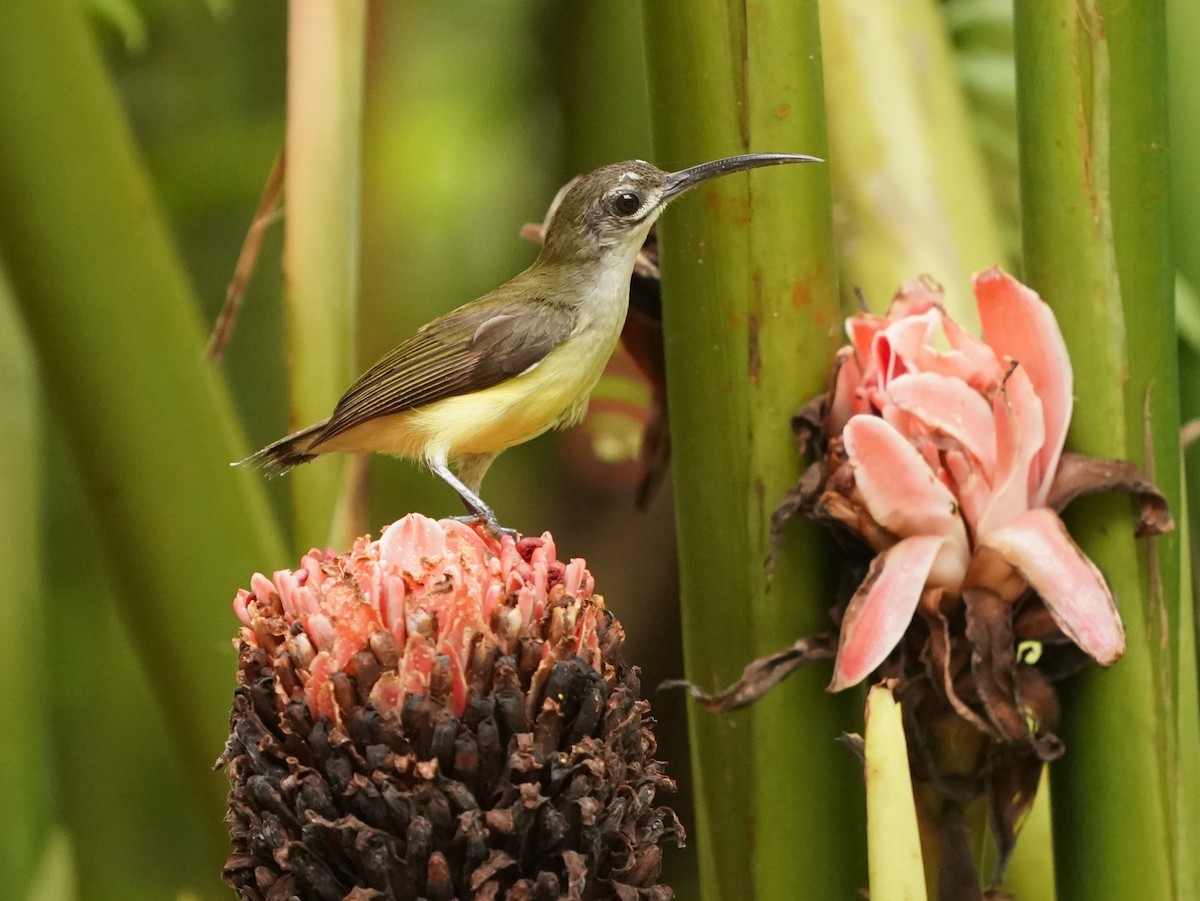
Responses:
[678,182]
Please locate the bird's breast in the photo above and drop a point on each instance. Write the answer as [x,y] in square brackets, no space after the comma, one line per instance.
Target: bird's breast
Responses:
[551,394]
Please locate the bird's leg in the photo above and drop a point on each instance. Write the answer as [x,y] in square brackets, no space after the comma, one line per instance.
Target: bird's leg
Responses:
[480,512]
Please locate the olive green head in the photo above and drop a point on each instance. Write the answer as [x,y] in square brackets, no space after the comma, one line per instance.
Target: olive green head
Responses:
[615,205]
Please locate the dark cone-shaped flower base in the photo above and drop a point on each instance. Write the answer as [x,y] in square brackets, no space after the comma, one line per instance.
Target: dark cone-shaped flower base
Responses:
[542,785]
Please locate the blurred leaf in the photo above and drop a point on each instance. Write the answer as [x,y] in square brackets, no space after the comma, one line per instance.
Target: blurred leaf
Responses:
[982,34]
[123,17]
[55,876]
[25,760]
[114,327]
[909,181]
[1187,312]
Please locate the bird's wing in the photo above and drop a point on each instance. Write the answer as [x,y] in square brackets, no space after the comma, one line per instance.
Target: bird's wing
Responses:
[469,349]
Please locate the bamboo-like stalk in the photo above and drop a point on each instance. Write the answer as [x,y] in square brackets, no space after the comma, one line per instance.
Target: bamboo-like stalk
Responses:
[908,180]
[893,840]
[1092,119]
[751,318]
[24,764]
[118,340]
[326,45]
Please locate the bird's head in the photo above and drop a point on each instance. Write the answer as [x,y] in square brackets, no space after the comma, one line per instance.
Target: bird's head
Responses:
[615,205]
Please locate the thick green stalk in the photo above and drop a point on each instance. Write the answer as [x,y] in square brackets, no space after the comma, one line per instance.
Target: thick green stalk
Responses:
[115,330]
[907,174]
[751,319]
[24,764]
[326,43]
[1092,119]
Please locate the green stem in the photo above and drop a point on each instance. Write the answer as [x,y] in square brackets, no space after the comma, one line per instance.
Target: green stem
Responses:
[1092,119]
[751,319]
[118,341]
[326,43]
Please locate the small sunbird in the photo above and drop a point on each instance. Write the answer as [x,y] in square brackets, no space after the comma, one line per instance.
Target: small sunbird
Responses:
[523,358]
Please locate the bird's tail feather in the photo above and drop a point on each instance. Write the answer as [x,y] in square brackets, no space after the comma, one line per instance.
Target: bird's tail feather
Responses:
[286,453]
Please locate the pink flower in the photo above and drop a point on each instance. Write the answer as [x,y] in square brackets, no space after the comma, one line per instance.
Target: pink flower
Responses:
[426,595]
[941,445]
[439,714]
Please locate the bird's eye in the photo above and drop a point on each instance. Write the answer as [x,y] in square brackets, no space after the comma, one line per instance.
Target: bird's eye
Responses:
[626,203]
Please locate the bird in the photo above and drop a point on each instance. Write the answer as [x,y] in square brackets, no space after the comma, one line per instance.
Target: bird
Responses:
[520,360]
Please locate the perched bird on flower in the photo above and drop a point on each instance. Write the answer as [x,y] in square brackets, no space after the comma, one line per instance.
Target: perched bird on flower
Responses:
[524,358]
[440,714]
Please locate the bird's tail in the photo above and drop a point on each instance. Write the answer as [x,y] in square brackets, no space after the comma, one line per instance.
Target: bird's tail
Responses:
[286,453]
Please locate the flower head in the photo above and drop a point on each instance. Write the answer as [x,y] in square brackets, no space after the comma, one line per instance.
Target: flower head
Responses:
[945,444]
[439,714]
[943,453]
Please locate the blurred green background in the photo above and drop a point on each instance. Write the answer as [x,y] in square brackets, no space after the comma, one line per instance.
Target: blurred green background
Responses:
[475,112]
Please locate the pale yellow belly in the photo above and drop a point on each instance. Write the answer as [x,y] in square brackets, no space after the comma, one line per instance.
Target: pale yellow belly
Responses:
[554,393]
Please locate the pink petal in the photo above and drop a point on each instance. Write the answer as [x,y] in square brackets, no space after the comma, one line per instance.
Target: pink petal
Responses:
[861,329]
[239,606]
[409,542]
[1018,324]
[1020,436]
[971,359]
[898,488]
[918,434]
[898,346]
[391,606]
[318,690]
[882,608]
[915,297]
[387,693]
[415,665]
[969,485]
[573,580]
[842,404]
[1072,587]
[951,407]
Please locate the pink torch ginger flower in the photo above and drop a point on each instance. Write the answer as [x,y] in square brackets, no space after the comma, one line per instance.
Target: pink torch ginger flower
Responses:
[439,714]
[943,454]
[941,445]
[427,595]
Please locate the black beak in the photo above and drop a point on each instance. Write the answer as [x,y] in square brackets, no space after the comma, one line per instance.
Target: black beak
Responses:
[678,182]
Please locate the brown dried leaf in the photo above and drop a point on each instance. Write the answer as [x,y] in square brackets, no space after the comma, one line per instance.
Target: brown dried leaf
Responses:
[1011,786]
[993,661]
[1079,474]
[938,658]
[268,209]
[761,675]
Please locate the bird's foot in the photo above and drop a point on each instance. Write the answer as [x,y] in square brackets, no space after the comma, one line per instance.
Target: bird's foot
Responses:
[489,523]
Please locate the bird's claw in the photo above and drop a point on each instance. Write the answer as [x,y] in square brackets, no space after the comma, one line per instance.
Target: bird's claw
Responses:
[488,522]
